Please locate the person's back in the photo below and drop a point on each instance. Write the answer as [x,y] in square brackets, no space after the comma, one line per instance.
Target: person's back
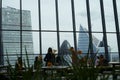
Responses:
[47,58]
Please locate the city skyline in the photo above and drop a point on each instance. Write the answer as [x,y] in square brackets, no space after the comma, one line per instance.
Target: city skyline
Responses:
[48,20]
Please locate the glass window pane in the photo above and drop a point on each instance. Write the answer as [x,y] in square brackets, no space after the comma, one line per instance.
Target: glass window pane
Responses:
[112,42]
[80,14]
[48,15]
[118,10]
[30,18]
[67,37]
[10,14]
[65,15]
[49,39]
[95,15]
[11,3]
[11,36]
[27,42]
[11,48]
[109,16]
[36,46]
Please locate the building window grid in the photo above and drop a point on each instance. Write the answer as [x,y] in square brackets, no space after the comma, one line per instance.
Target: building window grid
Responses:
[74,32]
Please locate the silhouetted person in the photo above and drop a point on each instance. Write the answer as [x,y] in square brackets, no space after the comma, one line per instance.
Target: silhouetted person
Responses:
[36,63]
[58,60]
[103,61]
[49,57]
[19,64]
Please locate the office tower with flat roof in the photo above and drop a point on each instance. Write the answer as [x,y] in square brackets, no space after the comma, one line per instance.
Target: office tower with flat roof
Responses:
[11,32]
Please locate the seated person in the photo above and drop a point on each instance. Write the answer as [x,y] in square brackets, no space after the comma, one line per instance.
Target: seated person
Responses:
[19,64]
[103,61]
[49,57]
[36,63]
[58,60]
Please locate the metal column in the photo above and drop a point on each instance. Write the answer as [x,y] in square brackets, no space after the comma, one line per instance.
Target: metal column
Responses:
[40,36]
[21,29]
[57,24]
[1,42]
[90,47]
[104,30]
[74,25]
[117,25]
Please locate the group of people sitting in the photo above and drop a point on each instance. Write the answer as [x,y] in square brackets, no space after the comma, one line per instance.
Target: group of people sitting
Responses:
[50,59]
[101,61]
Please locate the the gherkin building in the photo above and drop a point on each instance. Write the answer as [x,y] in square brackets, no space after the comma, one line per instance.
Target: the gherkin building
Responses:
[65,54]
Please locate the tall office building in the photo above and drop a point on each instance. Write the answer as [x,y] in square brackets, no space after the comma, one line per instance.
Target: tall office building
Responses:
[83,41]
[11,34]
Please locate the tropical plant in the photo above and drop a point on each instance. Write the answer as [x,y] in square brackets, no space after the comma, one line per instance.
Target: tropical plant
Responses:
[85,69]
[79,71]
[27,73]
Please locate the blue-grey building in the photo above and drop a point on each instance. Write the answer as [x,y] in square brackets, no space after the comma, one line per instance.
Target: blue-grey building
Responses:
[12,31]
[83,41]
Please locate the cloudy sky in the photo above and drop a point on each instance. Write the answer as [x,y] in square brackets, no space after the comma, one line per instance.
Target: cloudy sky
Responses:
[49,23]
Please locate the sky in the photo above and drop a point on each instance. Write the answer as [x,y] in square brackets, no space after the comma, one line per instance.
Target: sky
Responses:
[48,19]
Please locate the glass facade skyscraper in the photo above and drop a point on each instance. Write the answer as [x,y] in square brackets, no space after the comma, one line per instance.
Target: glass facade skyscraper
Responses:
[83,41]
[11,39]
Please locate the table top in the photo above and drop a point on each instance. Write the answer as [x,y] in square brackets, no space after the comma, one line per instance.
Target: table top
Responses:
[55,67]
[114,62]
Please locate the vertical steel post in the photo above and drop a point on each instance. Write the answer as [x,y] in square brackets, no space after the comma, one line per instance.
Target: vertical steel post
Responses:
[21,29]
[90,47]
[40,36]
[117,26]
[104,30]
[57,24]
[74,24]
[1,42]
